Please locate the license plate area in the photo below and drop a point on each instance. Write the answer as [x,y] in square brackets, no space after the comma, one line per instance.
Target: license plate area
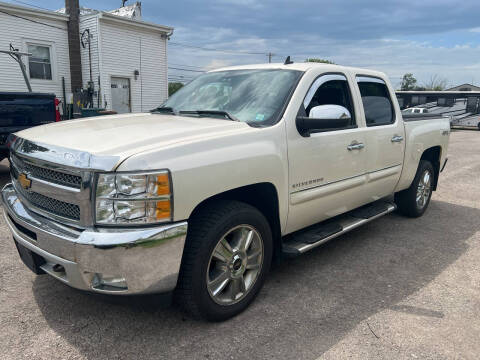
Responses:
[30,259]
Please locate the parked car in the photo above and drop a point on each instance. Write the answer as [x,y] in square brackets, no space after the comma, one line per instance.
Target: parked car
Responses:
[415,110]
[20,111]
[199,195]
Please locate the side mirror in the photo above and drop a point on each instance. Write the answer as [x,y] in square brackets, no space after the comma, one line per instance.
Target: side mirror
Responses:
[324,118]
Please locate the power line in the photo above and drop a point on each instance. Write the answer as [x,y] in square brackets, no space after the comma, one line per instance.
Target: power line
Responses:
[181,74]
[179,77]
[175,68]
[35,6]
[218,50]
[270,55]
[34,21]
[188,66]
[178,80]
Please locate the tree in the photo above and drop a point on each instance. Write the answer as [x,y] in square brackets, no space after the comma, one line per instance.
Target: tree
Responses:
[317,60]
[408,82]
[436,83]
[173,87]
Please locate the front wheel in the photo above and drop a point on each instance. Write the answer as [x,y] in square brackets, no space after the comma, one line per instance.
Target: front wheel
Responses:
[227,256]
[413,202]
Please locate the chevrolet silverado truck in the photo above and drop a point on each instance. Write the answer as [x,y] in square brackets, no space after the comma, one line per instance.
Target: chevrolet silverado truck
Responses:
[241,166]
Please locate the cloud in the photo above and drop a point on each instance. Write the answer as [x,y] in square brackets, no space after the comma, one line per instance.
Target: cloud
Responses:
[395,57]
[250,4]
[427,37]
[340,19]
[423,37]
[216,64]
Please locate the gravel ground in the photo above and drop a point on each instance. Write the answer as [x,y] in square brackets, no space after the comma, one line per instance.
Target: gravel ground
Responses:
[395,288]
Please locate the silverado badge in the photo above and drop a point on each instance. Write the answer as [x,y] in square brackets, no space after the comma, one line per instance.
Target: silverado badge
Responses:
[24,181]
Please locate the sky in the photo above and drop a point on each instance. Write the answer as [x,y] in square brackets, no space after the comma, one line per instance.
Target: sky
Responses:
[424,37]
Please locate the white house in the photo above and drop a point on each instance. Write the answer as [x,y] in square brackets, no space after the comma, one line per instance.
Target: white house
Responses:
[130,56]
[125,62]
[42,33]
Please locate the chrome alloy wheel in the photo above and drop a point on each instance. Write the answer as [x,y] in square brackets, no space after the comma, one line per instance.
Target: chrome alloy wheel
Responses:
[234,265]
[424,189]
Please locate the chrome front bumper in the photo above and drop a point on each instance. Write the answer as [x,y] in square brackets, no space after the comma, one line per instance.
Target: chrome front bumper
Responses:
[147,259]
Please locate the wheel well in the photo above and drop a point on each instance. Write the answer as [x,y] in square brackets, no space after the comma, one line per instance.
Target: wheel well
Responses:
[433,155]
[262,196]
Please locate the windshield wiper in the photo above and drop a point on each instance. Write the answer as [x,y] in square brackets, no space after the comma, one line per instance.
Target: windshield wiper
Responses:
[222,113]
[164,109]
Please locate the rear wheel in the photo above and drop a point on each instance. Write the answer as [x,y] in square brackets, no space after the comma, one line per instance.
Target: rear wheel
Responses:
[413,202]
[227,256]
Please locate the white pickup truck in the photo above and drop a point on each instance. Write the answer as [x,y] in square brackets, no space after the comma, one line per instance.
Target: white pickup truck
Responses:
[242,165]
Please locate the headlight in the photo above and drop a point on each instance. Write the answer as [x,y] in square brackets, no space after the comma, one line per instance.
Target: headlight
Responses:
[133,198]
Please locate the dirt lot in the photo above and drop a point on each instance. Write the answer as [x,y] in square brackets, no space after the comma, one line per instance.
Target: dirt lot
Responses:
[396,288]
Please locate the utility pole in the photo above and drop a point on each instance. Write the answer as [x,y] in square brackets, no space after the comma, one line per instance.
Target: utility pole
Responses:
[72,9]
[270,57]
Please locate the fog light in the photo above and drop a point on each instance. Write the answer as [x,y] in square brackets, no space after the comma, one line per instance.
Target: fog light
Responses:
[109,283]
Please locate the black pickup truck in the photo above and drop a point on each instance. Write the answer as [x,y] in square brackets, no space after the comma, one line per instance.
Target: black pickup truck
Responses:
[19,111]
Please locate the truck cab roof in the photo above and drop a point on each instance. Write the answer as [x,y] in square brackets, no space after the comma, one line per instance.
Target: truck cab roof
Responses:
[304,67]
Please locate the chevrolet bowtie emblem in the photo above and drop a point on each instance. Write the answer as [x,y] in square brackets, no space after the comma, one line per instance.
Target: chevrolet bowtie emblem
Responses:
[24,181]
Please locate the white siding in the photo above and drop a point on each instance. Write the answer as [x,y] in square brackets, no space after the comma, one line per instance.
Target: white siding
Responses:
[90,22]
[154,70]
[125,49]
[19,32]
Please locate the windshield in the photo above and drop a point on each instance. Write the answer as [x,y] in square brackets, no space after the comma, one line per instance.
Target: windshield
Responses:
[252,96]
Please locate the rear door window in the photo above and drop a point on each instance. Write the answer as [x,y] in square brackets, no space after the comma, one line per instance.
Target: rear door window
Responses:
[377,105]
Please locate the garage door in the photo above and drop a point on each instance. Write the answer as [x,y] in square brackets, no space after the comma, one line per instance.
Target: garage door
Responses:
[121,95]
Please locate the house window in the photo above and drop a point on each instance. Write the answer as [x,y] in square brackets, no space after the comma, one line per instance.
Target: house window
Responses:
[40,63]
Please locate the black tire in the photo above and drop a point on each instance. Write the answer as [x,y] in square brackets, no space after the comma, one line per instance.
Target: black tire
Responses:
[205,230]
[478,125]
[406,200]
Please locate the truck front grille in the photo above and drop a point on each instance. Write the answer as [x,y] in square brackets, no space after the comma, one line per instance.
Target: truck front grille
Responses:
[56,182]
[54,206]
[54,176]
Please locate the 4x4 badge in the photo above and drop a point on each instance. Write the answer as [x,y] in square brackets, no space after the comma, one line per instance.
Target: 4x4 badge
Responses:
[24,181]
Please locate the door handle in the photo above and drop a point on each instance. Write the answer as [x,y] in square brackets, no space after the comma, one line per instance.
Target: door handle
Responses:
[355,146]
[397,138]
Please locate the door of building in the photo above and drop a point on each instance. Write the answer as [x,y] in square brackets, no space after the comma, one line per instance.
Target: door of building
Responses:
[121,95]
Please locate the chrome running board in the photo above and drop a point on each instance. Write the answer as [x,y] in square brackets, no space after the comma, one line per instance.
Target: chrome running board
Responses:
[316,235]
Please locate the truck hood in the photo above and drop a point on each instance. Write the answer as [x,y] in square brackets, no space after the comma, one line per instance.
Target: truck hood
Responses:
[128,134]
